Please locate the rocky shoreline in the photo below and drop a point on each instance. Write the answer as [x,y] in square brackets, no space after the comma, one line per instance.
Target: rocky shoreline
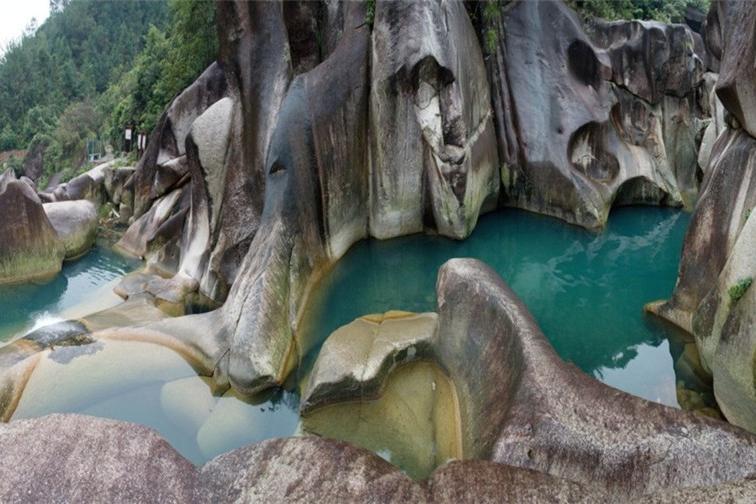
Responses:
[283,154]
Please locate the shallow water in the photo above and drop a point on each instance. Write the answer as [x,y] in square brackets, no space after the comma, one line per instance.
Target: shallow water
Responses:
[585,290]
[24,306]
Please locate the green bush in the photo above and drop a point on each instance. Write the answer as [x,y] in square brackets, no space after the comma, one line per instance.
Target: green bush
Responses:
[666,11]
[738,290]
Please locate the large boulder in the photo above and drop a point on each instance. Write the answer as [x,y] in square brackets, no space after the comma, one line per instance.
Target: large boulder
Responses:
[29,246]
[74,458]
[286,470]
[76,225]
[433,146]
[592,118]
[727,195]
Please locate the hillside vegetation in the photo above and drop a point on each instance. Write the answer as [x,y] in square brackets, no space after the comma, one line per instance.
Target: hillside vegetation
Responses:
[93,67]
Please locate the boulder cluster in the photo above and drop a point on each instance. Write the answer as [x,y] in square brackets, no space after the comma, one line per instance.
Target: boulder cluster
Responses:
[325,123]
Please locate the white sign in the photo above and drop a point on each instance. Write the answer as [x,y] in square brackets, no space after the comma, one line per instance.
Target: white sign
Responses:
[128,133]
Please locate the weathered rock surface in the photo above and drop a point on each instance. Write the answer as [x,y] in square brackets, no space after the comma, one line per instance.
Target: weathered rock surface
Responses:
[736,26]
[433,147]
[152,178]
[315,208]
[518,403]
[74,458]
[588,120]
[283,470]
[29,246]
[75,222]
[557,420]
[356,359]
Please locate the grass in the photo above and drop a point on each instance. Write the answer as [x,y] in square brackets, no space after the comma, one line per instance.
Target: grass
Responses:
[738,290]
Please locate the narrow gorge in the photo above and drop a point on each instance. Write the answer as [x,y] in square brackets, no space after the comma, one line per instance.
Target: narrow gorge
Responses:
[426,251]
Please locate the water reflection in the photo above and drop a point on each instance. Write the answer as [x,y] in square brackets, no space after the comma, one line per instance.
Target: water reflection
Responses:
[586,290]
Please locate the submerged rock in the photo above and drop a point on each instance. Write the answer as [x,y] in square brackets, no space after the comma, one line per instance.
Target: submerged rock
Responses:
[76,225]
[29,246]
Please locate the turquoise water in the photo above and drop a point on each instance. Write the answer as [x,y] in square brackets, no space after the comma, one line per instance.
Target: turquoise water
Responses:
[22,306]
[586,290]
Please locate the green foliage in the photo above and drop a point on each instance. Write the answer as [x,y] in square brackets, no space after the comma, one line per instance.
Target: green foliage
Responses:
[8,139]
[370,12]
[167,64]
[72,57]
[738,290]
[94,67]
[666,11]
[490,34]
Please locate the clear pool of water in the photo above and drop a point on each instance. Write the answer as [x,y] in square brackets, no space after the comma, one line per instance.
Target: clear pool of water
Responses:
[25,306]
[586,290]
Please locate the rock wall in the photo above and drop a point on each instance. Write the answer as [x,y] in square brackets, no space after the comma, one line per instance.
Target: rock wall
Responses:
[595,116]
[713,298]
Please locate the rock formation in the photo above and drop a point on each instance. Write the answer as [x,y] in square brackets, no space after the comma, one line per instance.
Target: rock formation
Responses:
[713,299]
[75,222]
[587,119]
[433,147]
[546,429]
[29,246]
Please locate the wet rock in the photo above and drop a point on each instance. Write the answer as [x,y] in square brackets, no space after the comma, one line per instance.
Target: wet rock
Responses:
[557,420]
[235,420]
[412,422]
[29,246]
[727,195]
[90,460]
[282,469]
[356,359]
[76,225]
[433,145]
[69,332]
[162,223]
[188,403]
[71,378]
[724,326]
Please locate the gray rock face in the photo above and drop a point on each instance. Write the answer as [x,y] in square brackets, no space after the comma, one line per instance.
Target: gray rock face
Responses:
[315,208]
[433,147]
[73,458]
[736,27]
[713,298]
[153,178]
[552,418]
[591,120]
[283,470]
[29,246]
[75,222]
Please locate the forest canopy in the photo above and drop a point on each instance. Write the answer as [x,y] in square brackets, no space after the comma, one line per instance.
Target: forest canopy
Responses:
[92,67]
